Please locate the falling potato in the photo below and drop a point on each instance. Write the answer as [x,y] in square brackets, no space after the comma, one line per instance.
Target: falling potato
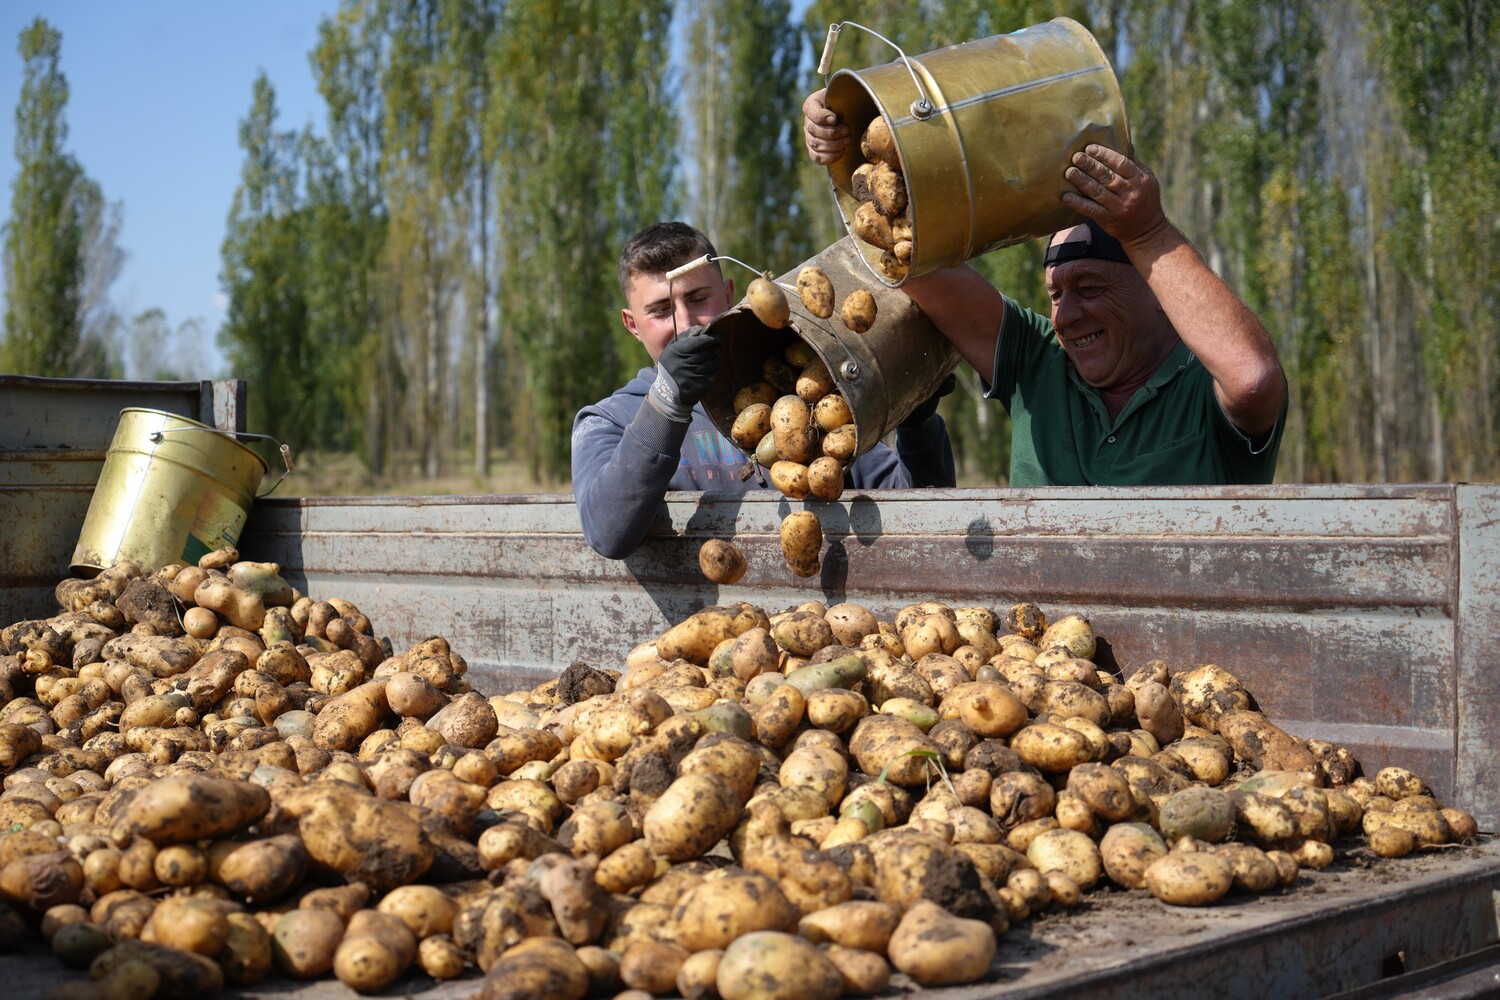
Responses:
[768,302]
[721,561]
[858,313]
[816,291]
[801,539]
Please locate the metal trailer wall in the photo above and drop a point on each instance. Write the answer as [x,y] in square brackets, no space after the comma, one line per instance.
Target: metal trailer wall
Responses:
[54,435]
[1364,615]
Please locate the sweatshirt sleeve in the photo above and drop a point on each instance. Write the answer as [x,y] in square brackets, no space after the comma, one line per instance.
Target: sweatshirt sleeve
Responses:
[621,474]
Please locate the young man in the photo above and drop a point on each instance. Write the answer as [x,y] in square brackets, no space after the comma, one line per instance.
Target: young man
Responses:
[653,435]
[1149,370]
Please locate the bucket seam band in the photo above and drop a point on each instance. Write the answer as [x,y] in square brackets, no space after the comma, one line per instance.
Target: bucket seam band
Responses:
[990,95]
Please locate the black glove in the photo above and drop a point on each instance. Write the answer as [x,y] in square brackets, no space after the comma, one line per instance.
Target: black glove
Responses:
[928,407]
[684,371]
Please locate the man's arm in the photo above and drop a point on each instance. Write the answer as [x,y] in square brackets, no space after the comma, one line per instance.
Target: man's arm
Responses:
[1124,197]
[965,308]
[621,474]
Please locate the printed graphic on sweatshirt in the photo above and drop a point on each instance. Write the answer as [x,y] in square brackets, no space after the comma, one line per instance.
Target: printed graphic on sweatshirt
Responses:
[711,457]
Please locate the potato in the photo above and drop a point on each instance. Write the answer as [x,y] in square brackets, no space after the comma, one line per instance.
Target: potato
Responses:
[750,425]
[756,392]
[987,709]
[1202,813]
[815,290]
[825,478]
[893,747]
[858,312]
[1157,712]
[859,182]
[888,189]
[711,914]
[1265,745]
[1050,747]
[1074,854]
[1104,790]
[182,808]
[246,957]
[878,143]
[346,719]
[188,923]
[765,451]
[1189,878]
[777,719]
[936,948]
[425,909]
[376,950]
[790,428]
[1252,870]
[841,442]
[722,561]
[801,540]
[1127,850]
[537,968]
[772,965]
[814,382]
[693,814]
[240,608]
[835,709]
[875,229]
[768,302]
[261,871]
[791,479]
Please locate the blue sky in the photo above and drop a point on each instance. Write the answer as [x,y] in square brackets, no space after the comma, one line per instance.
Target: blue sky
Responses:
[157,90]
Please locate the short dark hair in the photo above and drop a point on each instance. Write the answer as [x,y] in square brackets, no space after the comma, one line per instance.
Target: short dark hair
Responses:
[660,247]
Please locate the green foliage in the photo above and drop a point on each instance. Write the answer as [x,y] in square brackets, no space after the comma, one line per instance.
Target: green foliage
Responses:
[578,114]
[435,271]
[44,264]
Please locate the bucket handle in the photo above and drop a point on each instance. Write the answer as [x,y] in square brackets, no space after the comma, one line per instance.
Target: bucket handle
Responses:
[286,450]
[921,108]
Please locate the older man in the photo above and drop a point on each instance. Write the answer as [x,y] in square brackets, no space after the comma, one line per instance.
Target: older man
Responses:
[1149,370]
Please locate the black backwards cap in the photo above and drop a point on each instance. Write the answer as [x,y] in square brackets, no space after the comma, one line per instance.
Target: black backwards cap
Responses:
[1100,246]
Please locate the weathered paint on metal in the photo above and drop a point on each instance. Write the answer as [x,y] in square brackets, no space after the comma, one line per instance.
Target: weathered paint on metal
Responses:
[1338,606]
[1477,648]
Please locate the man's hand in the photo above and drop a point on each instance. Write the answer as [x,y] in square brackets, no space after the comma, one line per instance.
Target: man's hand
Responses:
[823,132]
[684,372]
[1119,193]
[925,409]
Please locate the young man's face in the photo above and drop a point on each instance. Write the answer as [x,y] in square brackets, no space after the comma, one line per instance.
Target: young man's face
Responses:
[652,309]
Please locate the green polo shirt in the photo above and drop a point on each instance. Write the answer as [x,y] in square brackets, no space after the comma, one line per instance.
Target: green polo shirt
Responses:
[1171,433]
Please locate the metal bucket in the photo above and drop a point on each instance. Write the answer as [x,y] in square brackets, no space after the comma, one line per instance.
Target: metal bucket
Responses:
[984,131]
[883,373]
[171,490]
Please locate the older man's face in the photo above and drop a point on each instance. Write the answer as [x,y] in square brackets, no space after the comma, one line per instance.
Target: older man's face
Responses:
[1103,311]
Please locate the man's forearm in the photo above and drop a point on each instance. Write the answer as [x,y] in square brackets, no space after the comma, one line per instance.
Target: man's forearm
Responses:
[620,478]
[1216,326]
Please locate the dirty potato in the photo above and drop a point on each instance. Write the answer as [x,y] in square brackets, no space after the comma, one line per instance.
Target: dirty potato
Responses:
[721,561]
[815,290]
[801,541]
[858,312]
[768,302]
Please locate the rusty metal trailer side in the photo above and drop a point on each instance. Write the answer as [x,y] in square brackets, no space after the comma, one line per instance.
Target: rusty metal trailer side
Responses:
[1366,615]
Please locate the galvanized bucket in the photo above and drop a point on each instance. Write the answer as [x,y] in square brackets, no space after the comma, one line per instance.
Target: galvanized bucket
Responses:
[883,373]
[984,131]
[171,490]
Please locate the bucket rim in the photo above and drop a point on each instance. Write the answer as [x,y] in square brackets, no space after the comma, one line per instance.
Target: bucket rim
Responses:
[198,425]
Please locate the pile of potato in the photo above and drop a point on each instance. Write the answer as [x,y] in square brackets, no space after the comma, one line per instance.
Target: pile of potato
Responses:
[799,426]
[209,777]
[883,218]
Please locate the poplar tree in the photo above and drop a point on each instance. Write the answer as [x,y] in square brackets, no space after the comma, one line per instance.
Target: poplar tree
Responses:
[44,238]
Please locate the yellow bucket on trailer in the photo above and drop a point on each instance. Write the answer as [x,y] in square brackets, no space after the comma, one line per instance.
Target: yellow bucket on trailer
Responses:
[171,490]
[984,131]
